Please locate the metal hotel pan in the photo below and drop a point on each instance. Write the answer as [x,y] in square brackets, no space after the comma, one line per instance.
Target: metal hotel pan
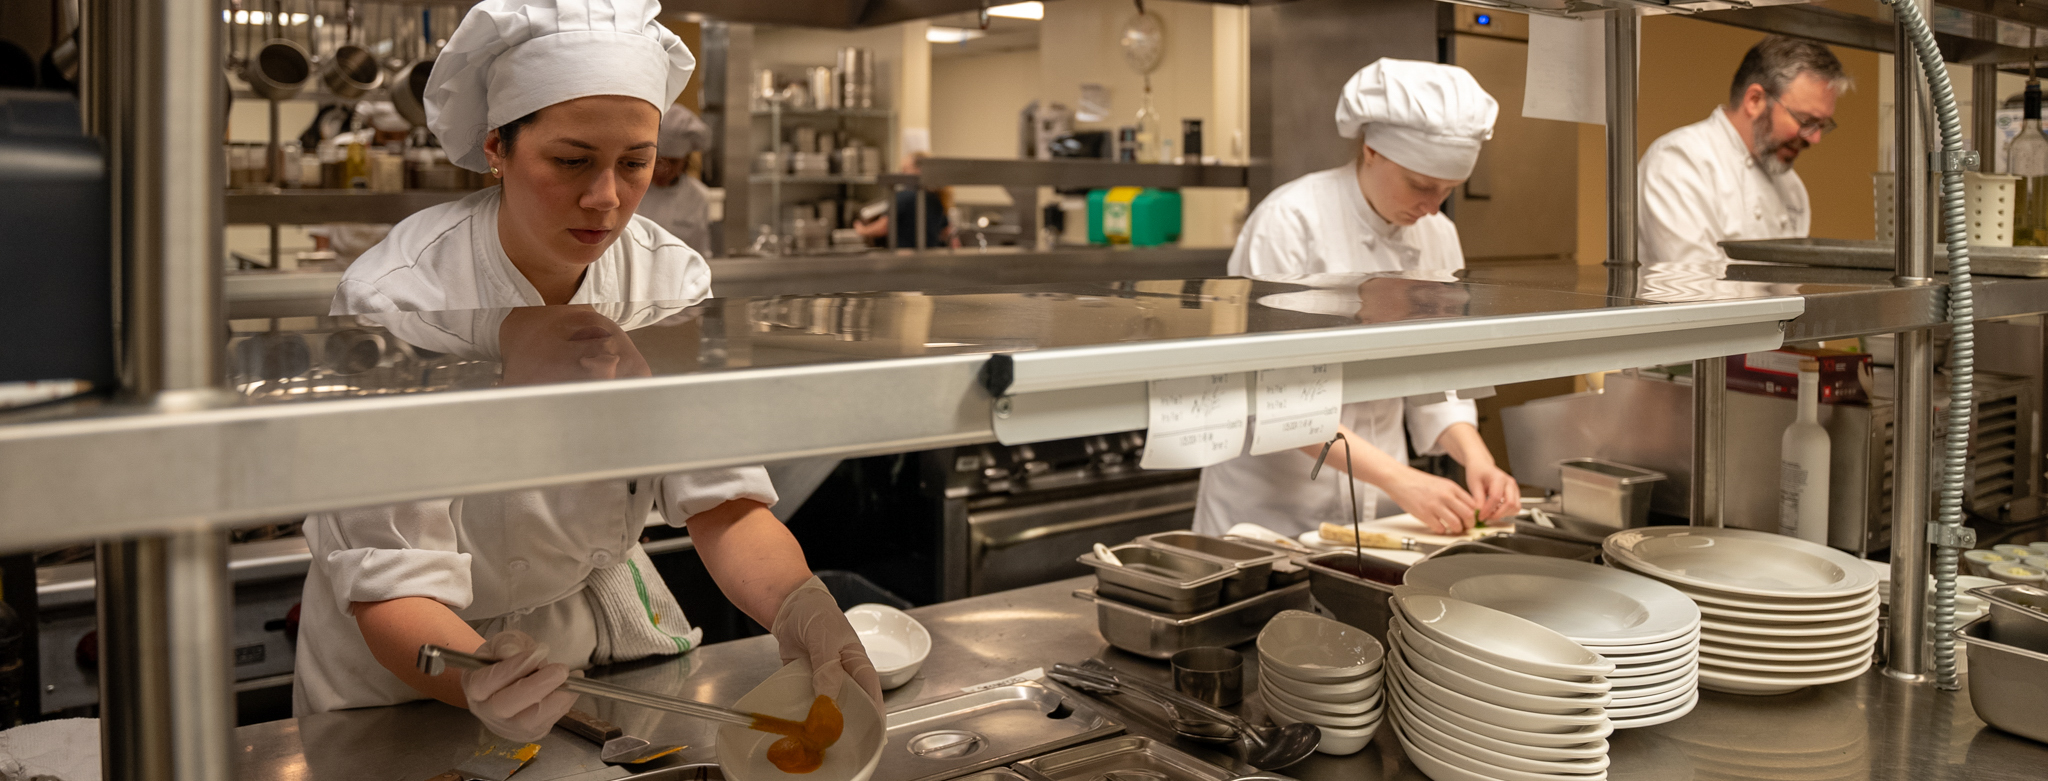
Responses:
[1159,636]
[1360,602]
[2008,683]
[1162,580]
[1254,565]
[2019,614]
[1129,756]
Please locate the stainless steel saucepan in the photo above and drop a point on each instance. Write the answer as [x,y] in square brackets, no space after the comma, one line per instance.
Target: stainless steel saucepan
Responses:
[408,87]
[353,70]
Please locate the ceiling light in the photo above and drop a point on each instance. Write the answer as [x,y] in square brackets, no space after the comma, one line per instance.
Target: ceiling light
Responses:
[1032,10]
[951,34]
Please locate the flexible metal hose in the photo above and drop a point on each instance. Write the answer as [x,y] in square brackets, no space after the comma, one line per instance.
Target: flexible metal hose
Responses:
[1963,343]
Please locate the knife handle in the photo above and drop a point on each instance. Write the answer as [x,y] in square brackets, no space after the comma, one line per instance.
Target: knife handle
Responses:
[589,727]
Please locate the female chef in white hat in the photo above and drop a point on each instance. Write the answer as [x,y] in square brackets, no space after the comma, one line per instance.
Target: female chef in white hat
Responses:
[562,100]
[1419,126]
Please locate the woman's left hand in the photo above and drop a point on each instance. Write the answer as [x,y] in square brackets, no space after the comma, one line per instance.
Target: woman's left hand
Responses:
[810,626]
[1498,494]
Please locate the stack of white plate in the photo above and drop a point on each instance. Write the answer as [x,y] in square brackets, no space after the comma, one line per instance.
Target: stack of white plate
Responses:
[1481,694]
[1778,613]
[1319,671]
[1650,631]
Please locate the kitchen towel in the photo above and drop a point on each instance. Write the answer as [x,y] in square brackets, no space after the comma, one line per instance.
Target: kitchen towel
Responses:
[636,615]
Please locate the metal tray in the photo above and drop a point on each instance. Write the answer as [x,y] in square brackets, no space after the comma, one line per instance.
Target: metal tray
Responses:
[1128,758]
[980,730]
[1180,582]
[1159,636]
[2008,685]
[1844,253]
[2019,615]
[1360,602]
[1254,564]
[1287,571]
[1183,604]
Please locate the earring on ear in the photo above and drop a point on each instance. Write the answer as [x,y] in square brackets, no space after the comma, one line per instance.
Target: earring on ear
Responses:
[494,170]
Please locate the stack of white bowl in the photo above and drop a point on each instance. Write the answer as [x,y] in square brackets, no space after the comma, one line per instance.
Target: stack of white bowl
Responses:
[1482,694]
[1778,613]
[1319,671]
[1650,631]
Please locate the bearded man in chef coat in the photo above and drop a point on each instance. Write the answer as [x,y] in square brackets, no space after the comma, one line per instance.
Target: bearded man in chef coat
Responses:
[1729,176]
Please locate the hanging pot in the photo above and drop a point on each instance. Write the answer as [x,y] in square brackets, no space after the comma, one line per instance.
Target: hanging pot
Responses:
[408,87]
[280,70]
[352,71]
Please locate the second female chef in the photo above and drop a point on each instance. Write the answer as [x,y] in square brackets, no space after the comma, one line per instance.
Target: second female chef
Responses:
[1417,127]
[562,101]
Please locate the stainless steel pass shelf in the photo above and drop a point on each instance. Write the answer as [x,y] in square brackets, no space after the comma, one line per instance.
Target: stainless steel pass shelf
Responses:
[1843,253]
[946,171]
[335,412]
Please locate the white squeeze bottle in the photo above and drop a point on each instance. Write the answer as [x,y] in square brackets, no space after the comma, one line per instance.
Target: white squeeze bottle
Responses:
[1803,467]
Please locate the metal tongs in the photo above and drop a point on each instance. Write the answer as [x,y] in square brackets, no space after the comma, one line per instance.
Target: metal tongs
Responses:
[435,660]
[1266,749]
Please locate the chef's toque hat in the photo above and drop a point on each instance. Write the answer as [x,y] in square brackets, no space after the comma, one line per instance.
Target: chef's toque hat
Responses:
[682,132]
[510,58]
[1429,118]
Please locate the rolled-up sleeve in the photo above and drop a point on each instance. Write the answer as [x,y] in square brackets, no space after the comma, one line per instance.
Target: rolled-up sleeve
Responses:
[1426,422]
[383,553]
[688,493]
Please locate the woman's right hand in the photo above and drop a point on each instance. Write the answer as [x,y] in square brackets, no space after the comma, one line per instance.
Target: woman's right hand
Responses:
[1442,505]
[521,696]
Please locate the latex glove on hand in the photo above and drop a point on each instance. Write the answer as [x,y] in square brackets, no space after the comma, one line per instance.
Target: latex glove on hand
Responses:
[521,696]
[810,626]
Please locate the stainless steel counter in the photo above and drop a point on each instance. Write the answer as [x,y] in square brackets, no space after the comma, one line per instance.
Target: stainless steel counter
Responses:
[1869,728]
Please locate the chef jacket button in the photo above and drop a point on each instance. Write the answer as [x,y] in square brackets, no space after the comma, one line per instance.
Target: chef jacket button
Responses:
[517,565]
[600,558]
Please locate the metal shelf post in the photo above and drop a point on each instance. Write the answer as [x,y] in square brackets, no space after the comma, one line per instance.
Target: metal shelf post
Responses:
[1910,500]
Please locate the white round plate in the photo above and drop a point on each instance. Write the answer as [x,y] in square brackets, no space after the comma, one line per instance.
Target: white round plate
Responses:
[1711,629]
[1511,718]
[1502,639]
[1624,661]
[1780,643]
[1792,657]
[1418,745]
[1581,736]
[1640,681]
[1405,709]
[1634,694]
[1709,597]
[1658,703]
[1765,683]
[1788,668]
[1417,644]
[1588,603]
[1740,561]
[1653,668]
[1645,648]
[1726,614]
[1660,718]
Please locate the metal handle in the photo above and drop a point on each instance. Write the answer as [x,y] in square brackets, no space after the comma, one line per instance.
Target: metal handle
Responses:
[589,727]
[435,660]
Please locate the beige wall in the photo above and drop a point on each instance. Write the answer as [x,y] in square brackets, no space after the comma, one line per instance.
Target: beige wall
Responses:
[976,102]
[1687,65]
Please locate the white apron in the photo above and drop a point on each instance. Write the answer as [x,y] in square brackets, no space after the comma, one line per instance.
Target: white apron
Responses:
[1321,224]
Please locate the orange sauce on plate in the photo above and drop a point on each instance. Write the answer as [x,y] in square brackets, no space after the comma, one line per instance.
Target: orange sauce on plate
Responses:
[802,747]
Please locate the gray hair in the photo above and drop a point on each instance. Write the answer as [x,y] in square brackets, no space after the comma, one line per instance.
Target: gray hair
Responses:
[1777,60]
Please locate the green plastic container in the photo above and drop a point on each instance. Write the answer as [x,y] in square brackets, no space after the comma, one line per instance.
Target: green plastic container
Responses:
[1141,217]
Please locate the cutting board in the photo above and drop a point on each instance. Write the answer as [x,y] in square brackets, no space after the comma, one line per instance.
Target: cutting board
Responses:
[1403,525]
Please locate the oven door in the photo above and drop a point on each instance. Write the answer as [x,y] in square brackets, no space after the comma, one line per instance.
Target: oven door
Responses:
[1015,542]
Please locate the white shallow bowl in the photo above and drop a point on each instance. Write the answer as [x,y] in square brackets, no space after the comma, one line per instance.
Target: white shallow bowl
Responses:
[1336,741]
[1711,628]
[896,643]
[1642,648]
[1623,661]
[1512,718]
[1652,668]
[1348,691]
[1406,709]
[1633,694]
[1586,602]
[1725,652]
[1339,710]
[1710,598]
[1789,668]
[1502,639]
[1640,681]
[1577,738]
[1278,706]
[1478,689]
[1726,614]
[1418,647]
[1740,561]
[1420,748]
[1422,729]
[1745,682]
[1665,717]
[1793,643]
[787,694]
[1309,647]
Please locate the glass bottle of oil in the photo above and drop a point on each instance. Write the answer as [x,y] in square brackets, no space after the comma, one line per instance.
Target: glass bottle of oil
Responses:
[2027,158]
[1148,129]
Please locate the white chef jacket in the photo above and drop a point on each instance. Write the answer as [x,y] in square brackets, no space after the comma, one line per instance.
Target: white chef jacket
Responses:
[683,209]
[1321,224]
[508,560]
[1701,186]
[448,257]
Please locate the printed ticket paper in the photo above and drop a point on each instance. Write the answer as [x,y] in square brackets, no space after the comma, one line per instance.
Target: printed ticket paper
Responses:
[1297,407]
[1195,421]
